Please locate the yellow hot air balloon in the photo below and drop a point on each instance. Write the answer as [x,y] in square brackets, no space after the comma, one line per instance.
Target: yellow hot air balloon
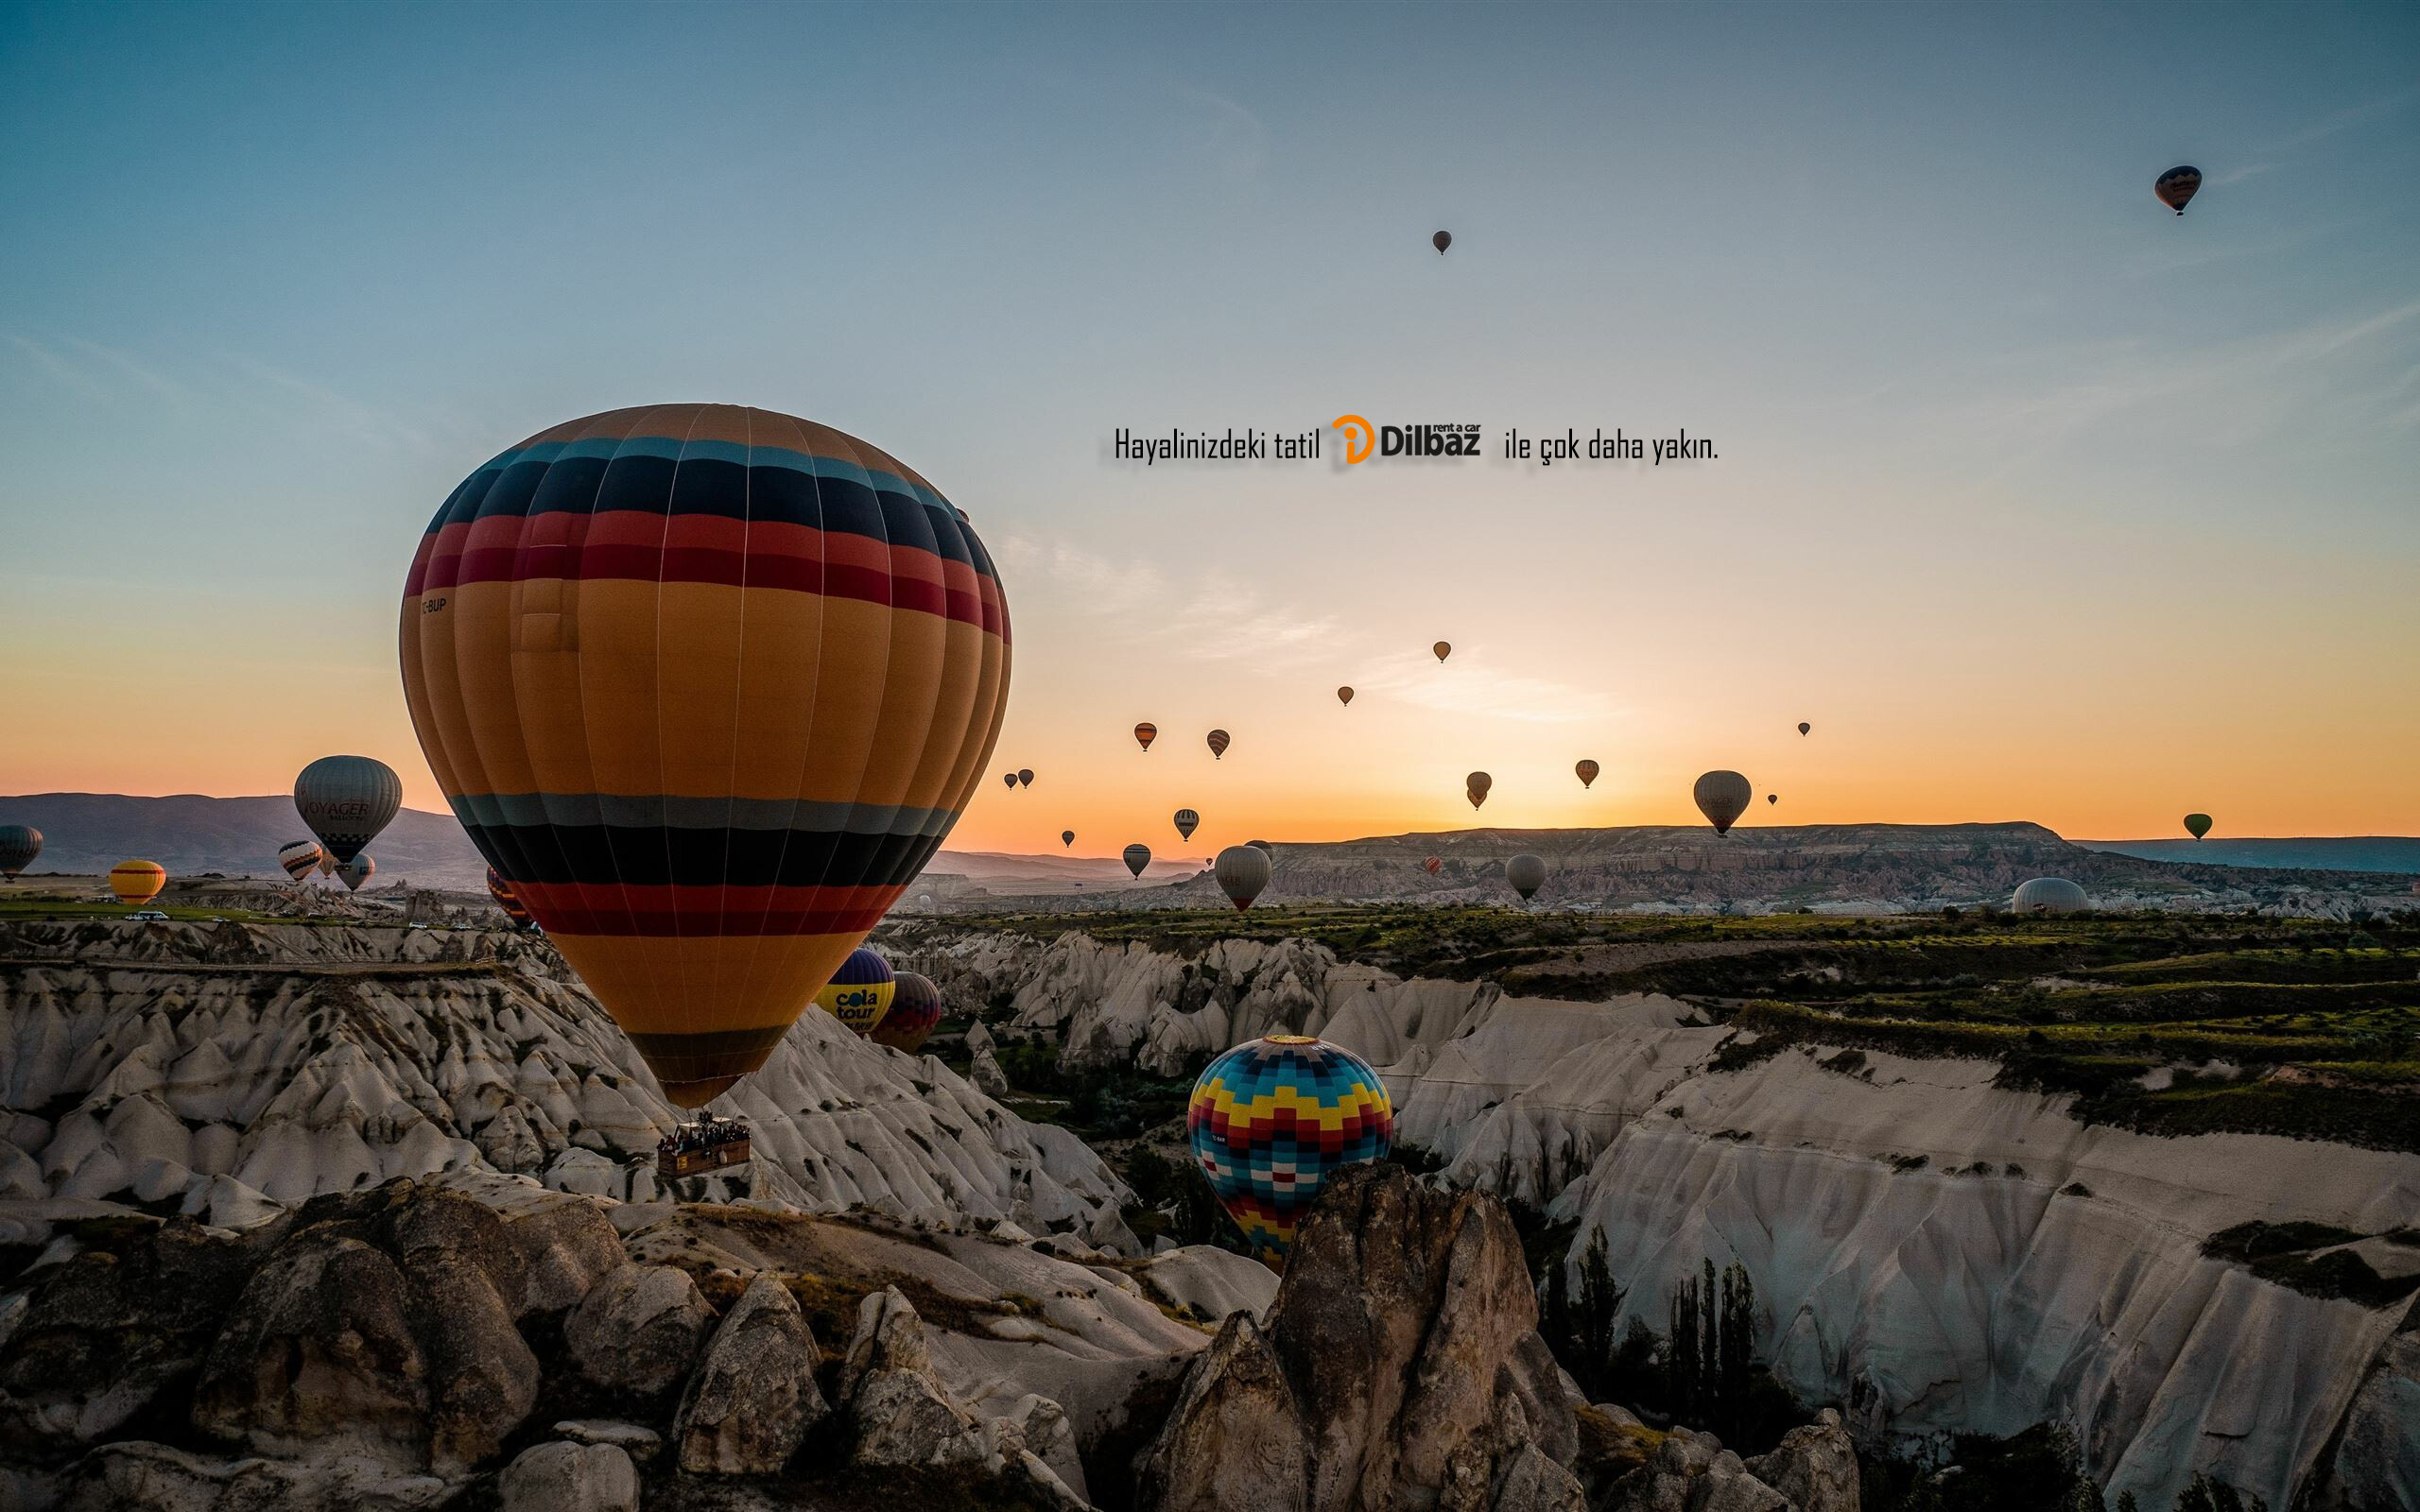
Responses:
[137,882]
[708,685]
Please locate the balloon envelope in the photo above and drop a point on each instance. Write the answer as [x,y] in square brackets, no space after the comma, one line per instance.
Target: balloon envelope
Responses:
[1219,742]
[2049,895]
[2176,187]
[1138,856]
[347,799]
[1722,796]
[137,882]
[299,858]
[1271,1120]
[708,685]
[1145,735]
[1186,822]
[1440,241]
[502,892]
[356,871]
[1344,695]
[1443,649]
[915,1007]
[2197,825]
[1242,872]
[1433,865]
[1066,837]
[1527,873]
[1025,777]
[861,991]
[1803,727]
[1009,780]
[1587,771]
[19,845]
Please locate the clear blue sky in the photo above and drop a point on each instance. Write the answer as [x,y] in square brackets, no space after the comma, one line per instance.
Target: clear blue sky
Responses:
[2052,504]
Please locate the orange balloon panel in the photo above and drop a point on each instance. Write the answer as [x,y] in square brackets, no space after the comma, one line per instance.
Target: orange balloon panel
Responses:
[708,685]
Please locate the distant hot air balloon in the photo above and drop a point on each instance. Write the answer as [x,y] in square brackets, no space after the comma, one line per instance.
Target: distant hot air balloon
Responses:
[861,991]
[1137,857]
[1008,781]
[1527,873]
[327,863]
[2197,825]
[1242,872]
[1025,777]
[708,685]
[1772,797]
[1265,845]
[1218,744]
[2177,186]
[1475,787]
[356,871]
[1587,771]
[1443,649]
[1440,241]
[1803,727]
[1145,735]
[299,858]
[1273,1119]
[915,1007]
[1722,796]
[1344,695]
[1066,837]
[347,799]
[502,892]
[19,845]
[1187,821]
[1433,865]
[137,882]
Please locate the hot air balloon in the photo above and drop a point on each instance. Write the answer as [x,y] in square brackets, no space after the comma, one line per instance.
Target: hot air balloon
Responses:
[347,799]
[19,845]
[1137,857]
[1025,777]
[1273,1119]
[1186,822]
[1475,787]
[1344,695]
[1527,873]
[1242,872]
[2049,895]
[1218,744]
[1433,865]
[1443,649]
[915,1007]
[356,871]
[1265,845]
[1008,781]
[1066,837]
[2177,186]
[1803,727]
[1145,735]
[1722,796]
[502,892]
[137,882]
[2197,825]
[299,858]
[1587,770]
[327,863]
[1440,241]
[861,991]
[708,685]
[1772,797]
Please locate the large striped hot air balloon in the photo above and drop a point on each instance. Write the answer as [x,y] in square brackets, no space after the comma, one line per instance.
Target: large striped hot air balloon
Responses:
[299,858]
[356,871]
[137,882]
[1273,1119]
[19,845]
[347,799]
[861,991]
[915,1007]
[1187,821]
[506,899]
[708,685]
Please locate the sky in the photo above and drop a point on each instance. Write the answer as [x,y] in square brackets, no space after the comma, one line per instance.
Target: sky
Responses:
[2036,500]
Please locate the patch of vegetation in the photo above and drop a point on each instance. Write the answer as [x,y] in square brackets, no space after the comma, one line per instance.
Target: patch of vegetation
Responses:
[2305,1256]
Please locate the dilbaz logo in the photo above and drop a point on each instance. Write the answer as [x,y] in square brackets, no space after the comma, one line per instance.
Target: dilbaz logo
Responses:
[1362,440]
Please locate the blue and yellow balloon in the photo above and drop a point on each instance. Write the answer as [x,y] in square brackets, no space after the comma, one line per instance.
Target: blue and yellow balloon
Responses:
[861,991]
[1273,1119]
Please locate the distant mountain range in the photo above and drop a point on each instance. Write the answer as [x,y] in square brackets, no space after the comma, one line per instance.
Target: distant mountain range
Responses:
[86,834]
[2354,853]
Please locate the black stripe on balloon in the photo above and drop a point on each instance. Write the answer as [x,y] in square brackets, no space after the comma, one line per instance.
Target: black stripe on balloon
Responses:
[651,856]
